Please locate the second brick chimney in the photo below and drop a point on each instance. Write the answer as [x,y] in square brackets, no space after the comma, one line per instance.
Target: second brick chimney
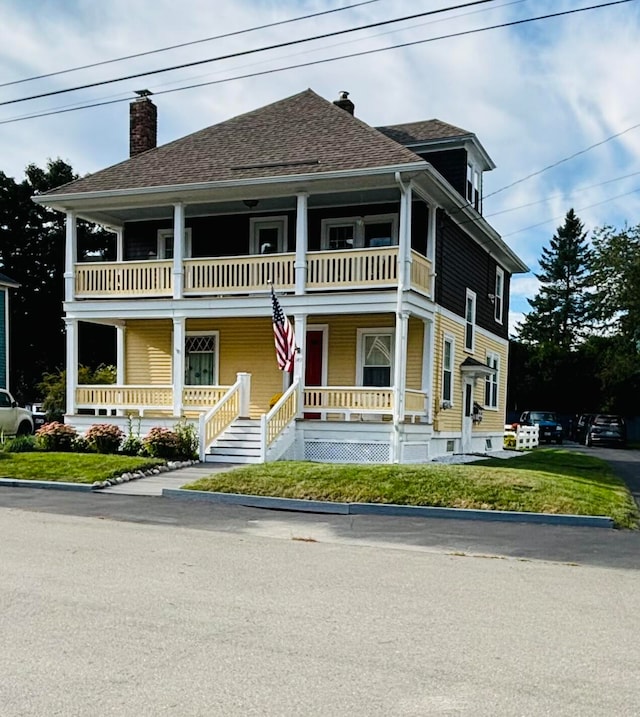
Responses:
[143,124]
[344,102]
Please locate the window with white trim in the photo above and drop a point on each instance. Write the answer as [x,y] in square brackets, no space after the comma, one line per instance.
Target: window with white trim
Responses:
[498,300]
[201,359]
[375,357]
[474,186]
[165,243]
[492,381]
[375,230]
[268,235]
[470,321]
[448,352]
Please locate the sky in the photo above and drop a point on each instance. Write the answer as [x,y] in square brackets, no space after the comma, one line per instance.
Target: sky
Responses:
[533,93]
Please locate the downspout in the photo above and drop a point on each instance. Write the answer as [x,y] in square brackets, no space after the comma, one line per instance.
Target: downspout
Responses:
[404,261]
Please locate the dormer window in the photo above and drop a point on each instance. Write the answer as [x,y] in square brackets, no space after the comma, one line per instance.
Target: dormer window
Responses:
[474,186]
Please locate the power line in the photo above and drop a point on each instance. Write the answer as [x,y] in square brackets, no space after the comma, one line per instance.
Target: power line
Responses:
[186,44]
[241,53]
[325,60]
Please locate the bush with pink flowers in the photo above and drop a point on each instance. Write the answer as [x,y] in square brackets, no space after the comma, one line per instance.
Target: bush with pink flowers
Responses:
[104,437]
[56,436]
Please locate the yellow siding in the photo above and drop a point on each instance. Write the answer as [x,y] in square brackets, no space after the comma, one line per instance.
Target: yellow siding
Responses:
[415,345]
[493,420]
[246,345]
[148,350]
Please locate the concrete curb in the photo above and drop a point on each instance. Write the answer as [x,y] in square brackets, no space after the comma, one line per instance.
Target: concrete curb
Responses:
[409,511]
[52,485]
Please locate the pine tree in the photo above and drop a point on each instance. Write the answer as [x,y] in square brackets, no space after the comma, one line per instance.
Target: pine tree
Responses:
[559,315]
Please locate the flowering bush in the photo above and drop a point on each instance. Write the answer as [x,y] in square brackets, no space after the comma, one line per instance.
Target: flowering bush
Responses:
[56,436]
[161,443]
[187,440]
[104,437]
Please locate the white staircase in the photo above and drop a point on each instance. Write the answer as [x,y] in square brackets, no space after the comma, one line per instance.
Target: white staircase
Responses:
[240,443]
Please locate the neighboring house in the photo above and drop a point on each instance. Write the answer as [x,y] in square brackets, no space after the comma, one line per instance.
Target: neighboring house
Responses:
[374,242]
[5,284]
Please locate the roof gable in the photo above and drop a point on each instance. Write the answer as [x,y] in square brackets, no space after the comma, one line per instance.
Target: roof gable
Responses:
[301,134]
[425,131]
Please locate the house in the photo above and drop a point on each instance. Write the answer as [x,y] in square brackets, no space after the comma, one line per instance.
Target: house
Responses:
[374,242]
[5,284]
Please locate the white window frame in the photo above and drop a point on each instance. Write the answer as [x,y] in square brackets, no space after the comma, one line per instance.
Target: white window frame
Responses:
[498,297]
[216,355]
[256,223]
[361,333]
[164,234]
[473,186]
[492,382]
[358,224]
[470,323]
[447,401]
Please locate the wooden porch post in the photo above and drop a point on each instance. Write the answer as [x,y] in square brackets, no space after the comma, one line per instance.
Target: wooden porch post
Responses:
[71,326]
[179,323]
[70,256]
[301,243]
[300,324]
[178,250]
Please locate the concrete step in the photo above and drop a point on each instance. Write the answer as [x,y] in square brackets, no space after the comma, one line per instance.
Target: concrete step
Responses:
[219,458]
[236,451]
[228,442]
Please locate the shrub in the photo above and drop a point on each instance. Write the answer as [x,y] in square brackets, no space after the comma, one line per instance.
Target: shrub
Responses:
[161,443]
[132,446]
[188,443]
[56,437]
[104,437]
[21,444]
[81,445]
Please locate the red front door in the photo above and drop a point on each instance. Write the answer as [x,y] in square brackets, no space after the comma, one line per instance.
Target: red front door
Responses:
[313,366]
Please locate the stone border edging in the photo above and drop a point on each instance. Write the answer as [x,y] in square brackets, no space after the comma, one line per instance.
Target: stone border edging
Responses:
[413,511]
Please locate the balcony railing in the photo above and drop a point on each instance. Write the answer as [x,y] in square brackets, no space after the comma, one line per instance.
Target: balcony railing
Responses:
[348,269]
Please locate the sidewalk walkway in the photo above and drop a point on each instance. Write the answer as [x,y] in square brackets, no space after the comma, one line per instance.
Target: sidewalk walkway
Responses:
[153,485]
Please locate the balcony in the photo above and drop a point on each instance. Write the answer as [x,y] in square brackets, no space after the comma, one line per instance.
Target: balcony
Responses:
[350,269]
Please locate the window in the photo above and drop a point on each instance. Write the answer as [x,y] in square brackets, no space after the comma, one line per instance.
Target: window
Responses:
[165,243]
[376,230]
[201,360]
[491,382]
[470,320]
[268,235]
[447,371]
[474,188]
[499,295]
[375,361]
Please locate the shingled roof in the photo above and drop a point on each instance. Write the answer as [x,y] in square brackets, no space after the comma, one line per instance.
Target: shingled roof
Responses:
[426,131]
[302,134]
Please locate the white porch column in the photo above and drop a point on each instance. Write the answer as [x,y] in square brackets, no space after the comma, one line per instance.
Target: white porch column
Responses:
[178,250]
[428,360]
[70,256]
[399,380]
[300,331]
[71,326]
[302,241]
[245,394]
[120,356]
[119,245]
[179,323]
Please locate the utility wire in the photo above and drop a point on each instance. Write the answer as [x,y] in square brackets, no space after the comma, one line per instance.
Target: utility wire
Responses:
[325,60]
[251,52]
[186,44]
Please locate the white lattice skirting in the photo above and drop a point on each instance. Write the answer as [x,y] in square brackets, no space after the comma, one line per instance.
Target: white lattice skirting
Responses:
[346,452]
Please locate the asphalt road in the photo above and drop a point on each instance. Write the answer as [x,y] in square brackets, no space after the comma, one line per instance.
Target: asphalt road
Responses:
[136,615]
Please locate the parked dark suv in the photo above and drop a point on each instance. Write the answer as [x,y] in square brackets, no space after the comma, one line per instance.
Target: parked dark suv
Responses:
[606,430]
[582,426]
[549,426]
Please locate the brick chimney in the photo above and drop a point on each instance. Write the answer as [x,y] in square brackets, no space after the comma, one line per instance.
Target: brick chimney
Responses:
[143,124]
[344,102]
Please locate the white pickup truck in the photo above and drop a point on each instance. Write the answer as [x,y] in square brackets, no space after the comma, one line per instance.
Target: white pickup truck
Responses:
[14,421]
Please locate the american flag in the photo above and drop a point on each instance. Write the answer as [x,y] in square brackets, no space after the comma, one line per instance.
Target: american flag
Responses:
[283,335]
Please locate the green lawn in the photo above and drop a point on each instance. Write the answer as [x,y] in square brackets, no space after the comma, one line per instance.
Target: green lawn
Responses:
[546,480]
[72,467]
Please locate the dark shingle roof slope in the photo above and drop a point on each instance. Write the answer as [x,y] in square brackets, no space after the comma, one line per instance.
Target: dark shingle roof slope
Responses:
[426,131]
[298,135]
[6,281]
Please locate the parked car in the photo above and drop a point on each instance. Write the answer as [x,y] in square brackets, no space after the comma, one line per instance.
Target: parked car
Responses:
[582,426]
[549,426]
[38,415]
[606,429]
[14,421]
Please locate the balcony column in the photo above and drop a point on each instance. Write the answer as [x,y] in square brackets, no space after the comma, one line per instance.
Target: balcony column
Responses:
[428,360]
[404,236]
[302,240]
[178,250]
[70,256]
[71,327]
[119,245]
[179,324]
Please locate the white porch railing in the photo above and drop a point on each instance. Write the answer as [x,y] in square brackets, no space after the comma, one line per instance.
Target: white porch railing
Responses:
[132,398]
[421,273]
[362,401]
[279,418]
[232,405]
[239,274]
[98,280]
[352,268]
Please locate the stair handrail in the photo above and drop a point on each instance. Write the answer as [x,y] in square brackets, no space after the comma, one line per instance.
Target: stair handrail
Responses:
[282,415]
[222,415]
